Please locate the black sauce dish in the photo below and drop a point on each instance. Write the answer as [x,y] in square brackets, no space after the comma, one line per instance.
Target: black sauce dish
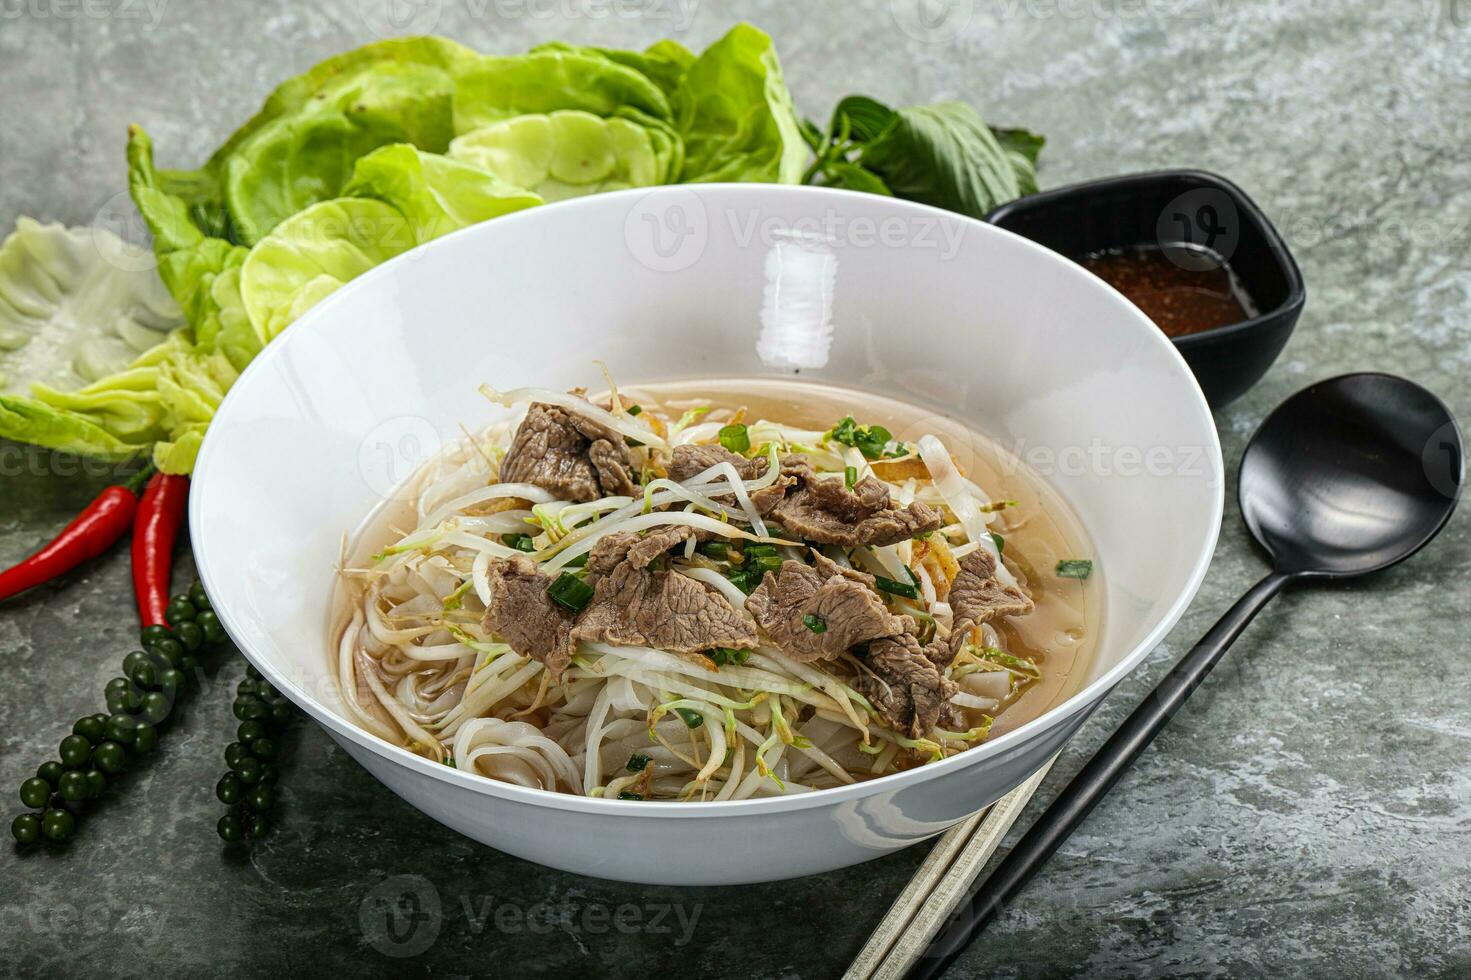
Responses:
[1197,219]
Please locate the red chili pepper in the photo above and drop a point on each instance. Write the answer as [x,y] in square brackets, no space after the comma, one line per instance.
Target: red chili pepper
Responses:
[90,533]
[159,515]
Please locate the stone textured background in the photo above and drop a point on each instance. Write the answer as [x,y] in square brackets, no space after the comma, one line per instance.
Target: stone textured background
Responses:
[1308,813]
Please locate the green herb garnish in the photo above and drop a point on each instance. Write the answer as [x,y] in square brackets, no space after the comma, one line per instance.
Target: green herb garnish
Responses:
[521,542]
[1000,542]
[941,154]
[735,438]
[728,657]
[850,476]
[1078,568]
[692,718]
[815,623]
[633,409]
[637,762]
[570,592]
[625,795]
[746,579]
[896,588]
[718,550]
[870,440]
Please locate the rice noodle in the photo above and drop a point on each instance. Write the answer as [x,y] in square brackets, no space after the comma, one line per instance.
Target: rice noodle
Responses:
[418,666]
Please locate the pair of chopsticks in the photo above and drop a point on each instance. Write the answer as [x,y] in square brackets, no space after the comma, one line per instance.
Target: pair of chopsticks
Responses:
[944,878]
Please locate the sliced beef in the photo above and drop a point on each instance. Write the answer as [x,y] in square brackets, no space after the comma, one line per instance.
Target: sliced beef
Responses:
[906,687]
[569,455]
[634,604]
[977,596]
[524,616]
[844,600]
[827,511]
[690,461]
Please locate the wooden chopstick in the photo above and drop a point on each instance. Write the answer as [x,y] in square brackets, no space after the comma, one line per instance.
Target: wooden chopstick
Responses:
[938,886]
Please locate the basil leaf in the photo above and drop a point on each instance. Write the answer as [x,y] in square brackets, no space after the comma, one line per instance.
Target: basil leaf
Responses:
[867,118]
[945,155]
[1022,148]
[850,176]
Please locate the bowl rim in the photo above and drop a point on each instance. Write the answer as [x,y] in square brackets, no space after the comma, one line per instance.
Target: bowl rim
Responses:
[1291,305]
[1082,700]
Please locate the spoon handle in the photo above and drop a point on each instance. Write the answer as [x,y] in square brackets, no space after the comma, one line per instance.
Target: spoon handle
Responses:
[1090,785]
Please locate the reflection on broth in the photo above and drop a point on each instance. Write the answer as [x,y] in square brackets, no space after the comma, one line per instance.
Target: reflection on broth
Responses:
[713,590]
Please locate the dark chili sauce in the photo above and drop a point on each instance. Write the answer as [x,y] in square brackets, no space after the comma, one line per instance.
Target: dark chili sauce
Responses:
[1182,297]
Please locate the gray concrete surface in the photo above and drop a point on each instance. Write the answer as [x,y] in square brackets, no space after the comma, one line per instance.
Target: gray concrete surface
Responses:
[1309,813]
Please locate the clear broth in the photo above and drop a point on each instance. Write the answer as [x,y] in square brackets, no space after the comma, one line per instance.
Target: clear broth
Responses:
[1059,636]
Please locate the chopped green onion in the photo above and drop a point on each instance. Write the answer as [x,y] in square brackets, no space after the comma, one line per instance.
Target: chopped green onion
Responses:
[1079,568]
[870,440]
[579,562]
[633,409]
[569,592]
[718,550]
[1000,542]
[896,588]
[728,657]
[815,623]
[735,438]
[637,762]
[746,579]
[449,760]
[759,550]
[521,542]
[692,718]
[625,795]
[850,476]
[767,563]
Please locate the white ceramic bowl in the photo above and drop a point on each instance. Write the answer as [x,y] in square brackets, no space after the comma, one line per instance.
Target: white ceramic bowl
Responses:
[680,282]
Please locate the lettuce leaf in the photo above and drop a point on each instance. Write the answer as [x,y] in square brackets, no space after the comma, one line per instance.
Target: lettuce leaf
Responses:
[312,253]
[736,116]
[499,87]
[569,153]
[77,307]
[76,304]
[355,161]
[435,193]
[301,146]
[663,62]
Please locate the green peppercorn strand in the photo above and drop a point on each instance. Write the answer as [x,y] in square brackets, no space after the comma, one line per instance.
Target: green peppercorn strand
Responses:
[140,703]
[249,787]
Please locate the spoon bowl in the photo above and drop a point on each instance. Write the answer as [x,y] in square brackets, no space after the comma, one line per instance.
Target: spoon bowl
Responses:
[1351,475]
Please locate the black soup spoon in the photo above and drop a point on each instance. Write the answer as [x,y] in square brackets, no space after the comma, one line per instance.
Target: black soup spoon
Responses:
[1347,477]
